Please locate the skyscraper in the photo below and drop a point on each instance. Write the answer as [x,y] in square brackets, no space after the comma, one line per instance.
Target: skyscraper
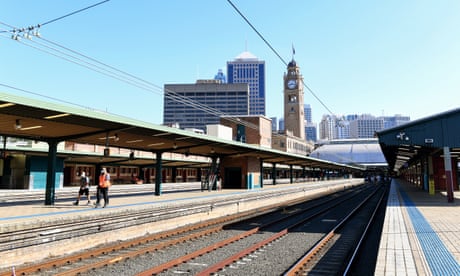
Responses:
[247,68]
[308,115]
[310,127]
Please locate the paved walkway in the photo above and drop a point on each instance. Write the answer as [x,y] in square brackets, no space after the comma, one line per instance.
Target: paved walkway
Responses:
[421,234]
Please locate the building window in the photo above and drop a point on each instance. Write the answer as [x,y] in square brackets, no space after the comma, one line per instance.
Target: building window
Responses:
[292,98]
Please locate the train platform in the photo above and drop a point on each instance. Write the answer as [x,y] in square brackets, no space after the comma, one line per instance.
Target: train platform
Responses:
[24,206]
[421,233]
[133,211]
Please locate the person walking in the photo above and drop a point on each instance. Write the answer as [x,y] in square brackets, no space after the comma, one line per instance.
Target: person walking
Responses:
[84,188]
[103,188]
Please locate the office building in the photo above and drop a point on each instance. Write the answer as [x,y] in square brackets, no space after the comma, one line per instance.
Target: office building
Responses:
[274,124]
[311,132]
[365,126]
[247,68]
[327,127]
[281,125]
[394,121]
[193,106]
[310,127]
[308,113]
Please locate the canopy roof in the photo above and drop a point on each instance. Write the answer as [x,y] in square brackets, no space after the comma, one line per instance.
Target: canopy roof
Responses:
[404,143]
[44,121]
[362,152]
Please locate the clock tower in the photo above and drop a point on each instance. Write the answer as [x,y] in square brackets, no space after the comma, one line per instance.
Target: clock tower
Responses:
[294,119]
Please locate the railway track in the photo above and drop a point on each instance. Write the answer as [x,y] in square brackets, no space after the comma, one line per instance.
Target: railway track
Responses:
[269,249]
[100,259]
[336,252]
[42,232]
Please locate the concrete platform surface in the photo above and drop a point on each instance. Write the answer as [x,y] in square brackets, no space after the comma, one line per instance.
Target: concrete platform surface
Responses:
[421,234]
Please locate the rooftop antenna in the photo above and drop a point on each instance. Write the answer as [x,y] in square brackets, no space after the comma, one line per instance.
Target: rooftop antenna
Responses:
[293,51]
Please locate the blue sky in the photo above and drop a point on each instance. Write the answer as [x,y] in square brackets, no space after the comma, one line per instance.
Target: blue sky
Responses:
[379,57]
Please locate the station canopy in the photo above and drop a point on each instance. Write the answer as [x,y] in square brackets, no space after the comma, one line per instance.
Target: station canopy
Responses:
[44,121]
[403,144]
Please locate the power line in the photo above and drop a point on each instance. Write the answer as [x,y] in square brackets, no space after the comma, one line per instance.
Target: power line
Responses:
[110,71]
[27,31]
[276,53]
[257,32]
[102,68]
[75,12]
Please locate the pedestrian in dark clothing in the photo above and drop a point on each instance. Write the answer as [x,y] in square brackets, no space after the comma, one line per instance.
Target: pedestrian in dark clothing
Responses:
[84,188]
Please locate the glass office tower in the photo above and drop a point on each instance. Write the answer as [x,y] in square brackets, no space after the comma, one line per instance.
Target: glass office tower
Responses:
[247,68]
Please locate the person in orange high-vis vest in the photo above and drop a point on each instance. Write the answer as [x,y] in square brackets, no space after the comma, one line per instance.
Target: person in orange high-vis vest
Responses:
[103,188]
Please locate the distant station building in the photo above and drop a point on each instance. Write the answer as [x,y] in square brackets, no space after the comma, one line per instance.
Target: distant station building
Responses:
[290,143]
[291,136]
[193,106]
[247,68]
[251,129]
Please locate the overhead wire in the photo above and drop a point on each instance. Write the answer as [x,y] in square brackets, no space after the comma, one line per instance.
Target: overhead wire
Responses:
[110,71]
[75,12]
[92,65]
[124,76]
[276,53]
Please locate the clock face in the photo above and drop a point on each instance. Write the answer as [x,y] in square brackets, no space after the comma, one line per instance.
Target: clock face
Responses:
[292,84]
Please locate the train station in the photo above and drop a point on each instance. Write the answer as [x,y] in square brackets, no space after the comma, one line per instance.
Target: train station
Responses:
[158,169]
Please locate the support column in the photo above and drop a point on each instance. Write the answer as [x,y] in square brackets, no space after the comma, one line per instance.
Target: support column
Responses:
[274,173]
[425,173]
[173,174]
[198,175]
[51,173]
[449,179]
[158,173]
[261,173]
[431,185]
[291,174]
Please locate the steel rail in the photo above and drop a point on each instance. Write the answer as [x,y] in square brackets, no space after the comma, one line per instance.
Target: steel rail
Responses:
[126,244]
[364,235]
[246,251]
[118,258]
[197,253]
[296,268]
[218,266]
[43,266]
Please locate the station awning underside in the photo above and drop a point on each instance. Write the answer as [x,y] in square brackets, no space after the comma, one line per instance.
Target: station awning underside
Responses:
[406,143]
[45,121]
[361,152]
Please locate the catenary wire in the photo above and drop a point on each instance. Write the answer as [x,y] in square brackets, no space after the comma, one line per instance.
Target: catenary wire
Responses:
[52,20]
[120,75]
[276,53]
[172,95]
[75,12]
